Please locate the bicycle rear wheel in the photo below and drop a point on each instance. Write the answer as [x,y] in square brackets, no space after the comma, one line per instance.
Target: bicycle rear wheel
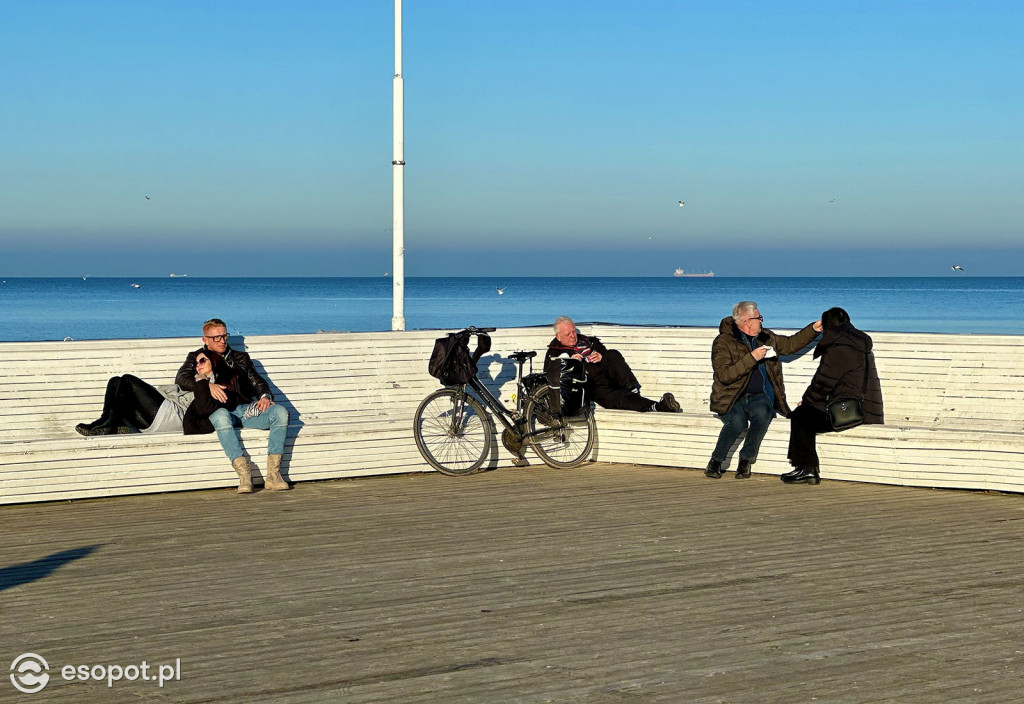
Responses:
[453,432]
[562,442]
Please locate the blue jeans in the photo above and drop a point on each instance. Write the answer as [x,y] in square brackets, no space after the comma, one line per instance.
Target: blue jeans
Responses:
[225,423]
[753,409]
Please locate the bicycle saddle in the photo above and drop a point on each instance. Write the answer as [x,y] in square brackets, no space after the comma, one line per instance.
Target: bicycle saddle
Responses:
[522,356]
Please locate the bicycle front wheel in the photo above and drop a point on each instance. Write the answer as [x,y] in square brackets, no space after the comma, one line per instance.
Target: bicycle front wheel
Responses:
[453,432]
[562,442]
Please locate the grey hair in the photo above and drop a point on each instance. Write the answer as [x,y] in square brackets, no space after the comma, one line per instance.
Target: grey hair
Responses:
[743,306]
[562,319]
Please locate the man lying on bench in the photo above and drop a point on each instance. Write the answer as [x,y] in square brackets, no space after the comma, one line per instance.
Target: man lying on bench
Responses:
[610,381]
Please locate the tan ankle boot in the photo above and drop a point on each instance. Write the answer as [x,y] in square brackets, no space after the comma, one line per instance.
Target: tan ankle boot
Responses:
[274,481]
[241,465]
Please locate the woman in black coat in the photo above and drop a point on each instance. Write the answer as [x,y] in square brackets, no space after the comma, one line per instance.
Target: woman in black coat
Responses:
[131,405]
[209,369]
[846,370]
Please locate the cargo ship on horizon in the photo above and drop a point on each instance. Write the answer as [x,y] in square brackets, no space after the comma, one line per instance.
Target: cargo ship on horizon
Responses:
[693,275]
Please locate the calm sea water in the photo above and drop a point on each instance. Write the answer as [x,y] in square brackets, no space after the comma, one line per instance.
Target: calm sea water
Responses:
[103,308]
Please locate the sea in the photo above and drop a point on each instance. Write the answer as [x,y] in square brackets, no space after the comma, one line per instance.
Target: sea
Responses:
[36,309]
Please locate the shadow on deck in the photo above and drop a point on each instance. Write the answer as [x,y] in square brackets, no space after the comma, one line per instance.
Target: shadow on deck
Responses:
[610,583]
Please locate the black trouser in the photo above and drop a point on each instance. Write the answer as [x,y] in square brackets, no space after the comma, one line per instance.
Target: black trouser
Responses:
[129,401]
[805,423]
[612,384]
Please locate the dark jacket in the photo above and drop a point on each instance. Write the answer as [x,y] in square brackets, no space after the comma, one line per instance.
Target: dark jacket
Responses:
[251,385]
[732,363]
[197,415]
[844,350]
[553,368]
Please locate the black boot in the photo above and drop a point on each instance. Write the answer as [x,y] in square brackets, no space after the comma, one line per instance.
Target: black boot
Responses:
[804,474]
[714,469]
[743,470]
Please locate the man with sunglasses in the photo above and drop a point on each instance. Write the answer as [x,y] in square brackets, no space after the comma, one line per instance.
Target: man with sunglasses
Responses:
[256,407]
[747,390]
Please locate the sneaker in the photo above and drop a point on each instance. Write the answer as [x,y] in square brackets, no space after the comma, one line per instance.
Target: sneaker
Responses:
[667,404]
[88,430]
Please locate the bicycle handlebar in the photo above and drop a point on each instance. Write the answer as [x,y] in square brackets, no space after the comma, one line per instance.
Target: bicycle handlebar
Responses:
[477,331]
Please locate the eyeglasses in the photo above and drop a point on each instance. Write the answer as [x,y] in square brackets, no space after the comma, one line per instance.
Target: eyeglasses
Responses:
[218,338]
[201,360]
[760,317]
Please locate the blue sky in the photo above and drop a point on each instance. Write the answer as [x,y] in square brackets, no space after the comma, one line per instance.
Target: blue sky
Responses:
[806,138]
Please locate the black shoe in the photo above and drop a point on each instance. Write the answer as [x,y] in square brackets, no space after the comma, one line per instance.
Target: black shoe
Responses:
[88,429]
[743,470]
[714,469]
[667,404]
[804,474]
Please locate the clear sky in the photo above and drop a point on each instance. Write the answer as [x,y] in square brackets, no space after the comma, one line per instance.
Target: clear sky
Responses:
[839,138]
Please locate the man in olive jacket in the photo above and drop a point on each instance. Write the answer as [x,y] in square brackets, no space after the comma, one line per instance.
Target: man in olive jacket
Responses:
[748,390]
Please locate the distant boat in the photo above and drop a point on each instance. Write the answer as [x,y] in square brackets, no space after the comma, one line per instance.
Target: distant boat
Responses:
[693,275]
[178,276]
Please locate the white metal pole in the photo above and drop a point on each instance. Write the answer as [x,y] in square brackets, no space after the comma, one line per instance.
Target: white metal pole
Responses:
[398,168]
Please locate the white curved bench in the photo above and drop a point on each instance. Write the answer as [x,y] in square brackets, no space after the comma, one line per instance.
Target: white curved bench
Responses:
[954,410]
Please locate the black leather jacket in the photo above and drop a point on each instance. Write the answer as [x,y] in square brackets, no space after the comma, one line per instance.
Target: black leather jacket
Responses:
[251,385]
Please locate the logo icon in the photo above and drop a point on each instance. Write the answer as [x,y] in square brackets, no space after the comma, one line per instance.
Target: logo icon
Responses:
[29,673]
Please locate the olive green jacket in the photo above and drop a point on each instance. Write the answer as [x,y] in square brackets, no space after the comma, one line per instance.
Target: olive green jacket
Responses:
[732,363]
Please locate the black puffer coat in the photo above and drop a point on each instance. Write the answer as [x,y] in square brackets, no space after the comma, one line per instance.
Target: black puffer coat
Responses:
[844,350]
[732,363]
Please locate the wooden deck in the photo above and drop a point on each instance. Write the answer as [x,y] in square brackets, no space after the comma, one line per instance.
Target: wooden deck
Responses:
[610,583]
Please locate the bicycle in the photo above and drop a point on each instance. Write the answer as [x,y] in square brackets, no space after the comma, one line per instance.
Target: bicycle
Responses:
[455,433]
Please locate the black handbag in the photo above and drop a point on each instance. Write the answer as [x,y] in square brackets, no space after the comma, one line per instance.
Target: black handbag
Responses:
[846,413]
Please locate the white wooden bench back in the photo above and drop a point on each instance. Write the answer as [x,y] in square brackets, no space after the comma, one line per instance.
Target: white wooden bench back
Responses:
[939,381]
[352,397]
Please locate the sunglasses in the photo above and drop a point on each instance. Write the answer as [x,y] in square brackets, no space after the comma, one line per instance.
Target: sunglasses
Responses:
[201,360]
[218,338]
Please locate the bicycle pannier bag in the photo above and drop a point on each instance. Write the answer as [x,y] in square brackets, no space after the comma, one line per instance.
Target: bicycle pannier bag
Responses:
[451,361]
[532,383]
[573,377]
[845,413]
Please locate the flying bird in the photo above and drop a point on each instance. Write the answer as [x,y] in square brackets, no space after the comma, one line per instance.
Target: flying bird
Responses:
[147,197]
[136,286]
[832,201]
[681,204]
[501,291]
[956,267]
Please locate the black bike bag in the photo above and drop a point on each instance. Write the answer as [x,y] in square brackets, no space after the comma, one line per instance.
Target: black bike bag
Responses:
[451,361]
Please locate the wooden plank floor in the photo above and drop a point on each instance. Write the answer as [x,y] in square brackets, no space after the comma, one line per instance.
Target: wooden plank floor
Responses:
[610,583]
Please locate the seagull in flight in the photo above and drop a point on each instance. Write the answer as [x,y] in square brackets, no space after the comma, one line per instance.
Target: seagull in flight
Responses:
[501,291]
[136,286]
[956,267]
[681,204]
[832,201]
[147,197]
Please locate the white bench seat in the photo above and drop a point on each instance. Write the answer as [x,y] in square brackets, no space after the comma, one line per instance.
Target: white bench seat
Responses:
[954,409]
